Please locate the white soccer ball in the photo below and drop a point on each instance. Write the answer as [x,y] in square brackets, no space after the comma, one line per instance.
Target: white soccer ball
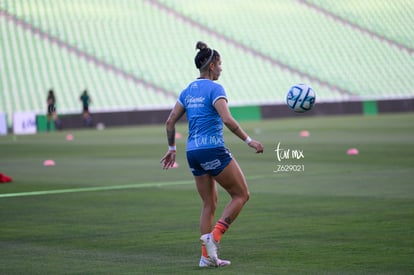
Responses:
[301,98]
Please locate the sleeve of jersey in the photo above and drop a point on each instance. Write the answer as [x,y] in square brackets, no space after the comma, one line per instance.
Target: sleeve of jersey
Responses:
[180,100]
[218,93]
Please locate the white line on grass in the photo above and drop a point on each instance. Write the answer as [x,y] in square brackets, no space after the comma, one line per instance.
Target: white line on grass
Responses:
[104,188]
[89,189]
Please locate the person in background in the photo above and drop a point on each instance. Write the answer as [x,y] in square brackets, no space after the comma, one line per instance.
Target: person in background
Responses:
[51,111]
[86,116]
[205,104]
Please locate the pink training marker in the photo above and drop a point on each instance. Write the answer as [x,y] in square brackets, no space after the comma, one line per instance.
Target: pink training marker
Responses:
[175,165]
[178,135]
[352,151]
[304,133]
[69,137]
[49,162]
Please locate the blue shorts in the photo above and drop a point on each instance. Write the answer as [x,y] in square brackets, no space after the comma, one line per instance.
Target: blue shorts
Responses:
[208,161]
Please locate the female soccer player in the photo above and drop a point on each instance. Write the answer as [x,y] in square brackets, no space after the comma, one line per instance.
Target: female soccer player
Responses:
[205,103]
[86,115]
[51,111]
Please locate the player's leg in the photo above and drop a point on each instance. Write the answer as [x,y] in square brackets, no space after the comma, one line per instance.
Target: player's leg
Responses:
[49,116]
[207,190]
[48,119]
[231,178]
[206,187]
[84,117]
[58,123]
[234,182]
[87,117]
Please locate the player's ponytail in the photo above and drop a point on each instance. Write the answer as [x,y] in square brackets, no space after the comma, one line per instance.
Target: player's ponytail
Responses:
[204,56]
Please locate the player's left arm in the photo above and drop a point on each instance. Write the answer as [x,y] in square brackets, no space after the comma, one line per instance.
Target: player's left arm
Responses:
[228,120]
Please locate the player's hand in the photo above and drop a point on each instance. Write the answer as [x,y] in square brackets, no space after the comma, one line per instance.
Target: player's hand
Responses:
[256,145]
[169,159]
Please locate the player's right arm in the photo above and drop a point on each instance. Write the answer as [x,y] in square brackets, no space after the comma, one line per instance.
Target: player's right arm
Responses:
[169,157]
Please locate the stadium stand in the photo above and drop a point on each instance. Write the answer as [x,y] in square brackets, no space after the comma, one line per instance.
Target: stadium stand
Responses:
[134,55]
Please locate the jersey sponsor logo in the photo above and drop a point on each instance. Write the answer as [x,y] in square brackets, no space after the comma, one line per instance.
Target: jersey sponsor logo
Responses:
[208,140]
[194,102]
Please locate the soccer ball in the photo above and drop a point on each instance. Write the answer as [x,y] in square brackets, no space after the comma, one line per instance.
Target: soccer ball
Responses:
[301,98]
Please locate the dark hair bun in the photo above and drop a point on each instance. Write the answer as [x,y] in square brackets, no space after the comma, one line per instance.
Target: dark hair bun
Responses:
[201,45]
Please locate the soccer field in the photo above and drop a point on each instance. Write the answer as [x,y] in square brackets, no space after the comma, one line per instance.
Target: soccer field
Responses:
[107,207]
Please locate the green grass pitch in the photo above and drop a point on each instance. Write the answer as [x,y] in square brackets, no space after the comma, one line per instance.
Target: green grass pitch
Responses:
[107,207]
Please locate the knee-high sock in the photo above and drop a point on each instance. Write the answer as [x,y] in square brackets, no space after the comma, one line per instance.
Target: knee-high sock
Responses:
[220,228]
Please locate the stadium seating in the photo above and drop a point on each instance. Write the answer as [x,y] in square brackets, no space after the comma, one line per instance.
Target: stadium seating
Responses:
[134,54]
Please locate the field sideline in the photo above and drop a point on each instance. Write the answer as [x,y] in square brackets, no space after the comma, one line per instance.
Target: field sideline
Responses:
[107,207]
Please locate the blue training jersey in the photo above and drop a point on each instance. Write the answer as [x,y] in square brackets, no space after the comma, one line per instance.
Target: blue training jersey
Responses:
[205,127]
